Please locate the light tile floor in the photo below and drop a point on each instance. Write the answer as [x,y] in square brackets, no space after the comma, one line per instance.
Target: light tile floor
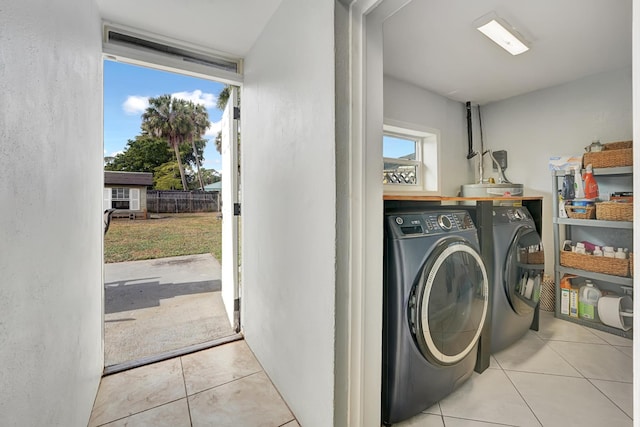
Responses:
[564,374]
[222,386]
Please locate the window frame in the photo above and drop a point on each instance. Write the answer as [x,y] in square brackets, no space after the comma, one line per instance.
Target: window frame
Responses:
[427,157]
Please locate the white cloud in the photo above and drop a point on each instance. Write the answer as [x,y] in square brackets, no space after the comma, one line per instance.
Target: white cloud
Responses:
[213,130]
[135,104]
[197,97]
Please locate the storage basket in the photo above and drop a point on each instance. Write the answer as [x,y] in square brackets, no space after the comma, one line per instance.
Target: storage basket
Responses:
[614,154]
[548,294]
[580,212]
[619,145]
[613,211]
[535,257]
[598,264]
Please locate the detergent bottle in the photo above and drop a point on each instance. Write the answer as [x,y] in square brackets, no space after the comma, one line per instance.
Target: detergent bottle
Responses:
[577,184]
[590,184]
[568,186]
[588,297]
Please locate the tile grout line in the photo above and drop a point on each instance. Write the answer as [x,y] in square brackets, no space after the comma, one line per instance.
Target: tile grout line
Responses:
[225,383]
[609,399]
[481,421]
[139,412]
[568,362]
[186,393]
[523,399]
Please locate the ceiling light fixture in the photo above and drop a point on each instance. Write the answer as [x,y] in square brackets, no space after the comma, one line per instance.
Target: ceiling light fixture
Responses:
[503,35]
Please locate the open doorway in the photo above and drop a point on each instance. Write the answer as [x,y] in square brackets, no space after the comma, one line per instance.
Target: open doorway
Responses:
[164,281]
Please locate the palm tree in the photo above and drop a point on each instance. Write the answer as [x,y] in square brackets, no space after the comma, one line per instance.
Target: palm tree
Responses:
[223,97]
[221,103]
[200,122]
[168,118]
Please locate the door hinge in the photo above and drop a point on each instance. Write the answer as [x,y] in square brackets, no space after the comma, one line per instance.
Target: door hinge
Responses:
[236,113]
[236,209]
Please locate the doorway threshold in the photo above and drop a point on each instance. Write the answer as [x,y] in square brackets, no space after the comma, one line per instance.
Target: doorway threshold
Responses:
[125,366]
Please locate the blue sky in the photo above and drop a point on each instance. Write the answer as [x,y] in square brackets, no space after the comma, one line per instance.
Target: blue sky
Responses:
[395,148]
[126,91]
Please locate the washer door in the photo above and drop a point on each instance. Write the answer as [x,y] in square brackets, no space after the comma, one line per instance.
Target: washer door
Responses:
[448,304]
[524,270]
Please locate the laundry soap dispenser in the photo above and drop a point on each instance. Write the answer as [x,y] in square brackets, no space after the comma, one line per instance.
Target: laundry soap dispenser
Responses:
[590,184]
[588,297]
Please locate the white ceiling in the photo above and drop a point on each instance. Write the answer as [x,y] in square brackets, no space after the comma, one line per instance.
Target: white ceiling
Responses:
[429,43]
[433,44]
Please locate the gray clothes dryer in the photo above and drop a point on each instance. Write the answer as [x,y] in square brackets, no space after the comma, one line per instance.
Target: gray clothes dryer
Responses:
[435,304]
[518,274]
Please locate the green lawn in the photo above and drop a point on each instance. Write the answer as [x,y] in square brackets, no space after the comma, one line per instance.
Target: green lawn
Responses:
[171,235]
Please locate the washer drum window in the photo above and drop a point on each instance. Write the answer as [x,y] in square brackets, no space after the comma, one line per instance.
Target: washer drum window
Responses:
[449,303]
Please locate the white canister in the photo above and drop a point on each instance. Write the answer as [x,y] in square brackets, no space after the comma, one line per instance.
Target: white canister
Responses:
[616,311]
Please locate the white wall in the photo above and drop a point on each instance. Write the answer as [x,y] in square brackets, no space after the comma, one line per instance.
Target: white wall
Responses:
[51,216]
[411,104]
[289,206]
[555,121]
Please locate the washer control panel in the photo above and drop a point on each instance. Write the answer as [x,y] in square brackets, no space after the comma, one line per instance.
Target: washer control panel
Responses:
[429,223]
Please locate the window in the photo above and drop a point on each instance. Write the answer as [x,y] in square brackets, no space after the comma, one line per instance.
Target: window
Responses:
[410,159]
[122,198]
[401,160]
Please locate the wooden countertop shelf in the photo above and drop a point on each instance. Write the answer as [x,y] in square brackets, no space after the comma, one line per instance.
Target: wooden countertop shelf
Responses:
[431,198]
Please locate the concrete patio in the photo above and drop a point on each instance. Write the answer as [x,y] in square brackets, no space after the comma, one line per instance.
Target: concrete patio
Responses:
[160,305]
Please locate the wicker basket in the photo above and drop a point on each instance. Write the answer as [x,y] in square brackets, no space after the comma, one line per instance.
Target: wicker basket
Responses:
[619,145]
[614,154]
[548,294]
[613,211]
[580,212]
[535,257]
[598,264]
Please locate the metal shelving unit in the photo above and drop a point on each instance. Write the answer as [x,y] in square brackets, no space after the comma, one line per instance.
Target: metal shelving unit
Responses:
[621,284]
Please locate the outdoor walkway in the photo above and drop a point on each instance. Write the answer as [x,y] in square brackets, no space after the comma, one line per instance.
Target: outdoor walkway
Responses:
[161,305]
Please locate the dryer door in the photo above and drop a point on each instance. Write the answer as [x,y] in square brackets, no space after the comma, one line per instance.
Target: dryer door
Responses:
[524,270]
[448,304]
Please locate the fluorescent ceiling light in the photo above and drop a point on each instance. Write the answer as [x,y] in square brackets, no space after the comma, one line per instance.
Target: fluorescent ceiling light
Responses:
[506,39]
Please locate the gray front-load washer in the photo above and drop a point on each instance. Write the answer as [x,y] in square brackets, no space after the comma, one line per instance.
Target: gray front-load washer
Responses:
[435,305]
[518,274]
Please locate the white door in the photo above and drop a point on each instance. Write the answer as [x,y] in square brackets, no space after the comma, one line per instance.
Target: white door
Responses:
[230,287]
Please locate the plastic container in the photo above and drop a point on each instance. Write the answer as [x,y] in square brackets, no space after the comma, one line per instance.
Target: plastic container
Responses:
[565,290]
[588,297]
[577,185]
[568,186]
[590,185]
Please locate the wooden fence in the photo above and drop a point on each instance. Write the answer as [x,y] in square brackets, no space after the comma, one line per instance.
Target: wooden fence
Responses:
[169,201]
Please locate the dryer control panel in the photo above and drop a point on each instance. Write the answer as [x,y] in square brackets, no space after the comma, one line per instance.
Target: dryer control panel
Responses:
[430,223]
[507,215]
